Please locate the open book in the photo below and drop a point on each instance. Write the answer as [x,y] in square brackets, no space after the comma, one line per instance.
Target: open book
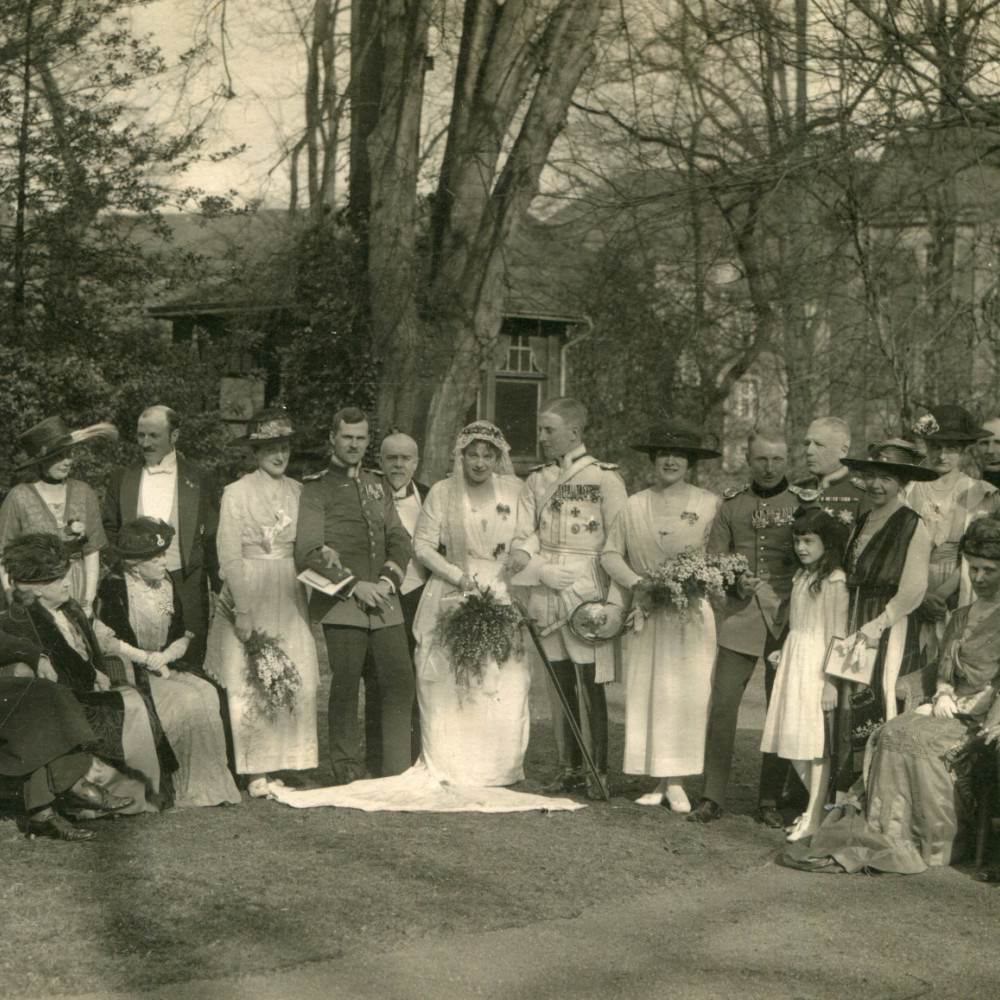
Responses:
[850,659]
[329,587]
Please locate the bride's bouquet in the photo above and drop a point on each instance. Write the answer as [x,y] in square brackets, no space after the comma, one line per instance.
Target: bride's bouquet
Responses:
[691,575]
[479,628]
[271,675]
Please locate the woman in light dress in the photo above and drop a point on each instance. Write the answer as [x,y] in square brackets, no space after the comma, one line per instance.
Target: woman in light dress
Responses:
[947,505]
[255,541]
[670,658]
[473,734]
[139,617]
[55,503]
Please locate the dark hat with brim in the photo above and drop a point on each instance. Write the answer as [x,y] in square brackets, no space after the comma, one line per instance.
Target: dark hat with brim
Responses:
[674,436]
[897,458]
[49,440]
[950,423]
[37,557]
[270,426]
[143,538]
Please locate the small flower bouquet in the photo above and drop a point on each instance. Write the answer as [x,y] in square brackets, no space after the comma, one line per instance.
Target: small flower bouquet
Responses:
[689,576]
[478,629]
[272,676]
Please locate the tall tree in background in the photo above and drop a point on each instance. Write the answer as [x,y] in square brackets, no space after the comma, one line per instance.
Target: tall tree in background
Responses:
[436,302]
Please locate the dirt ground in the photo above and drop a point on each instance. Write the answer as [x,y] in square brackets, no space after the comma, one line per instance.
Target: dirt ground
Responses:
[611,901]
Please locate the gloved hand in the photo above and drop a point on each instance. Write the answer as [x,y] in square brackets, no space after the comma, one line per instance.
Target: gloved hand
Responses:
[556,577]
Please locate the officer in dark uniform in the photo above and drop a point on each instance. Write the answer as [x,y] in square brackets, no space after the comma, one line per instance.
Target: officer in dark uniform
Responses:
[347,519]
[830,484]
[756,521]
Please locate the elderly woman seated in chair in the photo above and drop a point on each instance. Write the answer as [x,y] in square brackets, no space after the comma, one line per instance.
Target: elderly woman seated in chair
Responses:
[140,619]
[128,733]
[918,787]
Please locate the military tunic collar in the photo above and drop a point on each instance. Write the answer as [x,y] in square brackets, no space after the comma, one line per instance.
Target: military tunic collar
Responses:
[351,471]
[766,492]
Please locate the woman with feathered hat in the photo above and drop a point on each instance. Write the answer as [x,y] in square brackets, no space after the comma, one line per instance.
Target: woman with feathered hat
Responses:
[53,502]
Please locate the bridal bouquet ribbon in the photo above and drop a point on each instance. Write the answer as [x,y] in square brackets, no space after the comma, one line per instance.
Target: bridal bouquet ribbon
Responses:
[689,576]
[272,677]
[477,629]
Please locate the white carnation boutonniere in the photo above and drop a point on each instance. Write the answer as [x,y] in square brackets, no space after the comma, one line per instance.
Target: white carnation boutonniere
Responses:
[926,426]
[75,529]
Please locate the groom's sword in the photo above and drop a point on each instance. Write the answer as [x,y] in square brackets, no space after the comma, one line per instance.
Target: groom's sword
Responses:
[529,623]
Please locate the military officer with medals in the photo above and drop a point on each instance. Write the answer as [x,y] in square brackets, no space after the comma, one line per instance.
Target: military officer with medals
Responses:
[756,521]
[830,484]
[565,511]
[348,521]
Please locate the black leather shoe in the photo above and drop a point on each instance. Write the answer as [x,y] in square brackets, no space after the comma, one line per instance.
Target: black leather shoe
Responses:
[707,811]
[597,792]
[569,779]
[991,875]
[86,795]
[770,817]
[57,828]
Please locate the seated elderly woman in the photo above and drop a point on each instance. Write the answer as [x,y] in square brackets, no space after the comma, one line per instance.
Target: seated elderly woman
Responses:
[917,782]
[44,740]
[140,619]
[128,733]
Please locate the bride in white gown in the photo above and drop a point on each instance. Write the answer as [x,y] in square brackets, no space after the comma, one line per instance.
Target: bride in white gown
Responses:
[474,734]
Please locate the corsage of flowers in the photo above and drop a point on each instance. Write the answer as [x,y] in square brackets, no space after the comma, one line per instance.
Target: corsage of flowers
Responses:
[503,510]
[689,576]
[272,676]
[75,529]
[926,425]
[478,629]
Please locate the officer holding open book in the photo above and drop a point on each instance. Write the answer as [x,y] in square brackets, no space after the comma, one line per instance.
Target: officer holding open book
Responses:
[348,523]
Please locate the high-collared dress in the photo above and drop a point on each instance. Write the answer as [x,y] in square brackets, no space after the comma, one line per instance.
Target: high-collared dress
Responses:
[256,541]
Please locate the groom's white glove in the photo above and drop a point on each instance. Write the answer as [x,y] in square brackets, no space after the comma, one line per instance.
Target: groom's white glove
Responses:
[557,577]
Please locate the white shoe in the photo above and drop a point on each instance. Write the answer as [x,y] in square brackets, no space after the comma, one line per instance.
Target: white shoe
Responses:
[650,799]
[276,783]
[677,797]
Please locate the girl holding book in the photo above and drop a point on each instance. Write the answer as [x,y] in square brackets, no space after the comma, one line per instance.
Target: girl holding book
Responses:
[803,699]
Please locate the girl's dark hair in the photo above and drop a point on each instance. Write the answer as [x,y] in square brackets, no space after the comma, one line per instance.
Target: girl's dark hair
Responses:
[832,533]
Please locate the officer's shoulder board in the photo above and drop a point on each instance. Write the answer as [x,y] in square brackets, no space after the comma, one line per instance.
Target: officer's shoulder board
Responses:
[538,468]
[735,491]
[375,472]
[807,494]
[607,466]
[313,476]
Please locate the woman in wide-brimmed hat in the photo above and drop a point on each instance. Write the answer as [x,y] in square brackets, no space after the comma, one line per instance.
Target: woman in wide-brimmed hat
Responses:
[55,503]
[947,505]
[261,595]
[668,661]
[139,617]
[886,564]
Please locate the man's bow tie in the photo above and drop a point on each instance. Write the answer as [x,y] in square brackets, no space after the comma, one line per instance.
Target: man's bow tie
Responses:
[407,491]
[156,470]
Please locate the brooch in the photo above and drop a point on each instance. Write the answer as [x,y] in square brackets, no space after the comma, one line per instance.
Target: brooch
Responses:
[690,516]
[503,510]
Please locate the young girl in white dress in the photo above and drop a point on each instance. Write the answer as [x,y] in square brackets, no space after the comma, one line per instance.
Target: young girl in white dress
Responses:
[795,727]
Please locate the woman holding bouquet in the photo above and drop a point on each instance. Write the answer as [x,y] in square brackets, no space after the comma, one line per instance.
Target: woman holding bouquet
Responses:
[53,502]
[262,596]
[474,719]
[669,656]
